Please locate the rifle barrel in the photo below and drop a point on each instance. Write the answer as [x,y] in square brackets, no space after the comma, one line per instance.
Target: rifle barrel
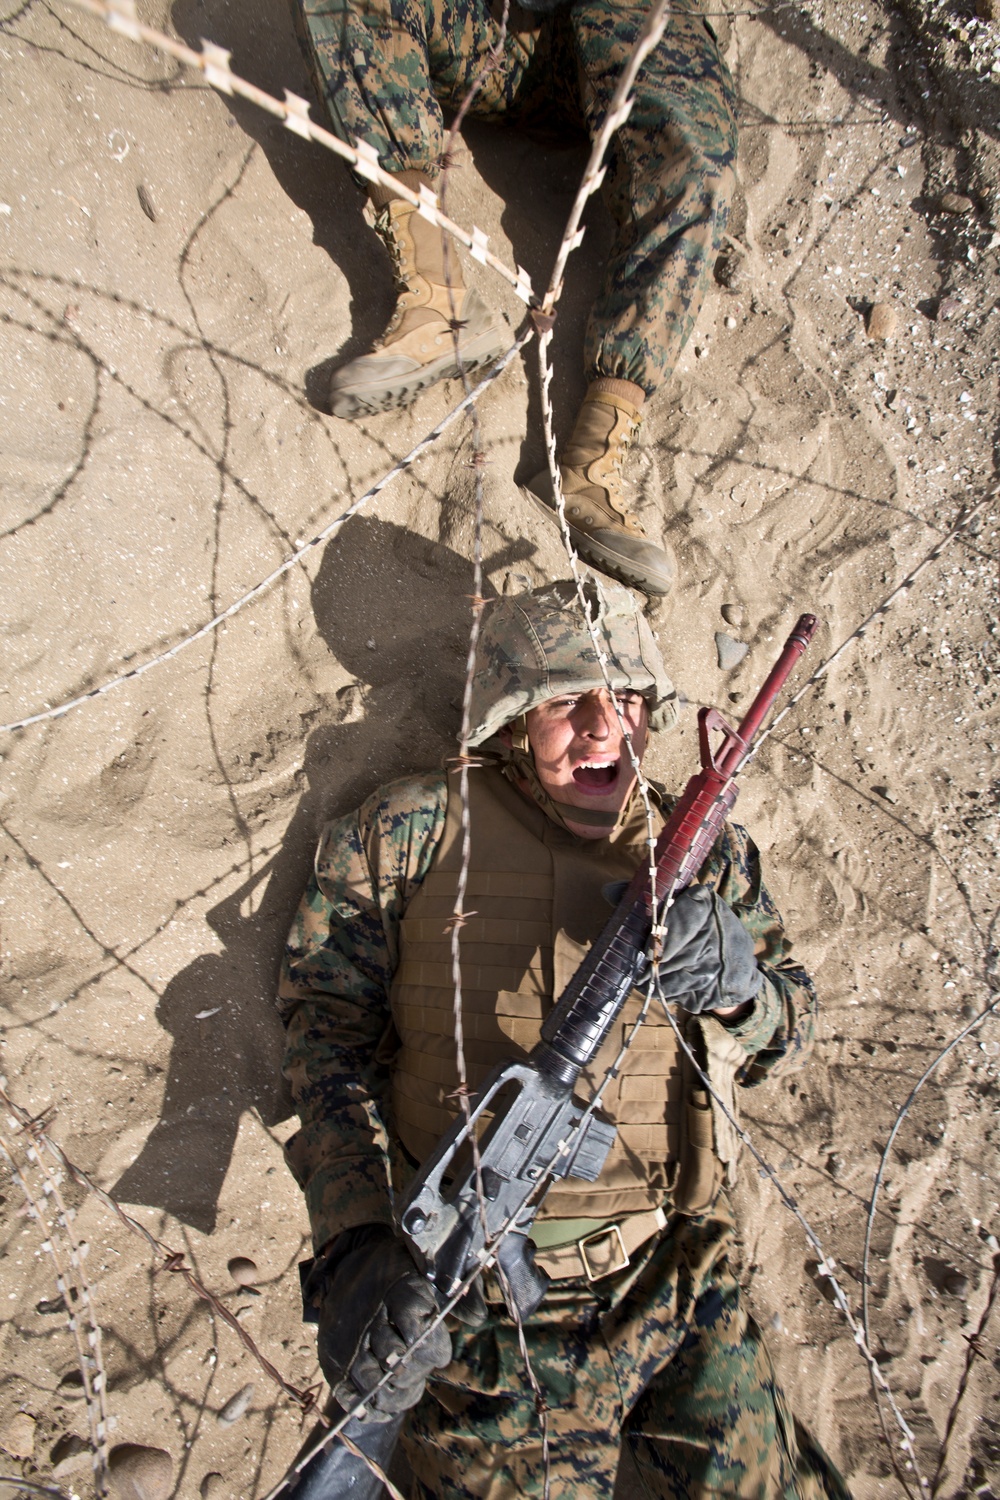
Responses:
[734,755]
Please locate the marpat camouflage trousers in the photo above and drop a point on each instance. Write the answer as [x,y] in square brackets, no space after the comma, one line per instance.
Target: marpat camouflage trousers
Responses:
[385,68]
[662,1357]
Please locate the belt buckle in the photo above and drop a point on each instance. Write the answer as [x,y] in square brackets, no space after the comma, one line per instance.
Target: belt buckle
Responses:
[599,1234]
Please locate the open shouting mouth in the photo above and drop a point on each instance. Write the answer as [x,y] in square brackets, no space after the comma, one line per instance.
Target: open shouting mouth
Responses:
[598,777]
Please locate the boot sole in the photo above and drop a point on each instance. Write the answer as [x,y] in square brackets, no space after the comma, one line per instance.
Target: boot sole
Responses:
[622,568]
[388,395]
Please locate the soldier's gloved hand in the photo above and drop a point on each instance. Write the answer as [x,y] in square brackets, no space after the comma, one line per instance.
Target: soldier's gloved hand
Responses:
[708,961]
[374,1306]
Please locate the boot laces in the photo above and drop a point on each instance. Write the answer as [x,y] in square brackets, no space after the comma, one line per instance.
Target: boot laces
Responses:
[616,498]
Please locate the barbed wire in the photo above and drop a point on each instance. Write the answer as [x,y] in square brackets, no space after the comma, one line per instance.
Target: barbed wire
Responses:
[618,111]
[213,62]
[493,58]
[859,631]
[266,583]
[170,1259]
[932,1067]
[573,234]
[95,1384]
[990,1010]
[17,1483]
[826,1265]
[74,1289]
[973,1350]
[486,1257]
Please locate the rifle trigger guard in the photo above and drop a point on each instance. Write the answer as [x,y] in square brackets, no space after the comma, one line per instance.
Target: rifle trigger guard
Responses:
[709,719]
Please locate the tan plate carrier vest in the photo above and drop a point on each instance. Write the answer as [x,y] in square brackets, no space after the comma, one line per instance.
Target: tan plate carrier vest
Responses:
[535,901]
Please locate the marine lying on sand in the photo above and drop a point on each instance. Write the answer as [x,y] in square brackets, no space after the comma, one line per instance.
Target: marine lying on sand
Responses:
[383,69]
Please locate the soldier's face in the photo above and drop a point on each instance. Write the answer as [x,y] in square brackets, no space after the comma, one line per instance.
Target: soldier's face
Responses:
[580,752]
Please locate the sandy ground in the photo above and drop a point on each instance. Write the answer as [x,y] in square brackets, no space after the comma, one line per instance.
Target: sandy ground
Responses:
[178,274]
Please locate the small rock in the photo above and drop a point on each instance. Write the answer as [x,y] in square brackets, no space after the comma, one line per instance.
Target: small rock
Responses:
[236,1406]
[730,652]
[948,307]
[882,322]
[730,270]
[146,202]
[700,351]
[955,1283]
[71,1386]
[956,203]
[19,1436]
[885,793]
[69,1454]
[49,1305]
[138,1473]
[733,614]
[988,10]
[243,1270]
[835,1165]
[736,697]
[212,1487]
[730,322]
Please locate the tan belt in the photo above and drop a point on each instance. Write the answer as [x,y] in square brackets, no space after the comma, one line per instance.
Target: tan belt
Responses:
[607,1250]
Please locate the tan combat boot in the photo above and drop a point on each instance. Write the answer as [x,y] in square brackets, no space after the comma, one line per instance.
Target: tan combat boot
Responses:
[418,347]
[601,528]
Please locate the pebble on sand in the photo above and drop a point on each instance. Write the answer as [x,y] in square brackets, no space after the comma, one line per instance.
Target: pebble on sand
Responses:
[212,1487]
[733,614]
[236,1406]
[243,1270]
[19,1436]
[138,1473]
[730,652]
[882,322]
[730,270]
[885,793]
[956,203]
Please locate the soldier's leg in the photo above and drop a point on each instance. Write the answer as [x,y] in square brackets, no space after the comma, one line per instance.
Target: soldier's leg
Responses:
[383,68]
[380,69]
[669,184]
[476,1432]
[670,175]
[715,1422]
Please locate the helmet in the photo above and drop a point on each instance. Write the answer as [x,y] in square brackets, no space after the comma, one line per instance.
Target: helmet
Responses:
[536,646]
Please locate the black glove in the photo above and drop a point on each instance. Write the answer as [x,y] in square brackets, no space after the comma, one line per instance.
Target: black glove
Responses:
[708,960]
[374,1305]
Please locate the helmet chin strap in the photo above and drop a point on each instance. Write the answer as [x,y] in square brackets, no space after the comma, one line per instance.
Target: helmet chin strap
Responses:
[520,769]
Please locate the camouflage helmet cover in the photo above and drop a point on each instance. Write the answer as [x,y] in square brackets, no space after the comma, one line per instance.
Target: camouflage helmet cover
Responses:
[536,646]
